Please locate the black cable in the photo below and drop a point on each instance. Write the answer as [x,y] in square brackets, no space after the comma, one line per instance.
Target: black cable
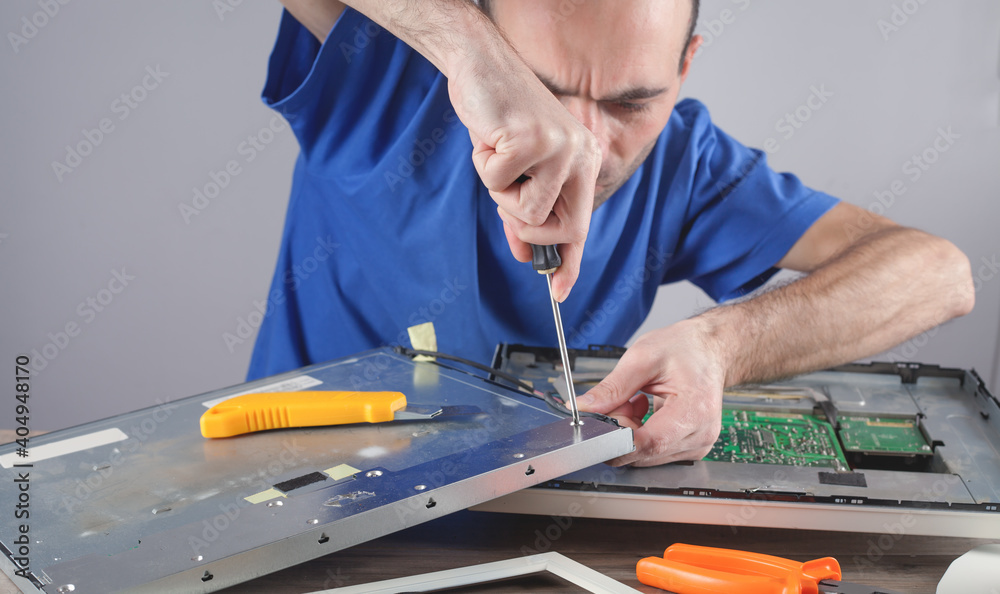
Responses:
[486,368]
[546,397]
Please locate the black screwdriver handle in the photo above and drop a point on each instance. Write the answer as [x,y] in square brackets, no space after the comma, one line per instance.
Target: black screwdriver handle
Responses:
[544,258]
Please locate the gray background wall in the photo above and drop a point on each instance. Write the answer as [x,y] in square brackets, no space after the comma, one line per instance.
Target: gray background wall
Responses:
[64,237]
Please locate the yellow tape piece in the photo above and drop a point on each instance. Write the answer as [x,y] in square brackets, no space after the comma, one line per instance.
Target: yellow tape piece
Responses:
[264,496]
[341,471]
[423,338]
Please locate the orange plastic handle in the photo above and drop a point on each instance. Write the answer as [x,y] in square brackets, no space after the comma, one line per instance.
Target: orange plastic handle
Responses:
[691,569]
[275,410]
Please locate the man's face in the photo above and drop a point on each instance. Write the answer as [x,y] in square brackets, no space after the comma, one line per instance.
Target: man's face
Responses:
[613,64]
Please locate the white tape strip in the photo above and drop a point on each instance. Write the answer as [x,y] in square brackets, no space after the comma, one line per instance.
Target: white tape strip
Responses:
[66,446]
[290,385]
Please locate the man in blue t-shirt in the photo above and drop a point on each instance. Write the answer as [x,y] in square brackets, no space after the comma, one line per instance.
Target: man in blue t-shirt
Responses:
[391,223]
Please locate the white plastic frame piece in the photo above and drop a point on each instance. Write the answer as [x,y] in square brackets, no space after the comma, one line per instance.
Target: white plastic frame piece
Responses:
[554,563]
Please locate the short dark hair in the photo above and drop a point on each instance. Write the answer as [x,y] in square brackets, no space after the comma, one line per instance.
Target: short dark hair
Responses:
[695,5]
[487,7]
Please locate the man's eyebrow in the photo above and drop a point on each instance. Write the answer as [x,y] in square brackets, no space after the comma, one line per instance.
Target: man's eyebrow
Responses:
[631,94]
[635,94]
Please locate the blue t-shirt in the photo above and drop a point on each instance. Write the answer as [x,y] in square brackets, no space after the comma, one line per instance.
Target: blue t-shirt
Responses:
[389,225]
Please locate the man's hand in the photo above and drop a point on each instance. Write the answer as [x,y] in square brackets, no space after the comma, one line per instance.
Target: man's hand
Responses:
[519,128]
[683,369]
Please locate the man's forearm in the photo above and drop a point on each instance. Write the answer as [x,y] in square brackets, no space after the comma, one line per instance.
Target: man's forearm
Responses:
[884,289]
[451,34]
[446,32]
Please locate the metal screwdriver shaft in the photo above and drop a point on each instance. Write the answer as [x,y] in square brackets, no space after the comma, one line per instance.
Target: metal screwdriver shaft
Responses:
[545,260]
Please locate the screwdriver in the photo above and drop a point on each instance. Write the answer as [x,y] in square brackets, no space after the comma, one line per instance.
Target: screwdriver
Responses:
[545,260]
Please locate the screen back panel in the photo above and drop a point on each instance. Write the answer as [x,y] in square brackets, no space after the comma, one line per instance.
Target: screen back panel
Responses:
[863,447]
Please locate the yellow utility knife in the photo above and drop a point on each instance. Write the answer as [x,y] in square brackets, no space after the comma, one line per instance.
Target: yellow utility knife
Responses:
[277,410]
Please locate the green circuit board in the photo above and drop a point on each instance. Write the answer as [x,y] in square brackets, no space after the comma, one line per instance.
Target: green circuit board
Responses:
[876,435]
[789,439]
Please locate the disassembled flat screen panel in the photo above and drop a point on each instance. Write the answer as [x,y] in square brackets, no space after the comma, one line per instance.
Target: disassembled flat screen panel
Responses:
[143,502]
[864,447]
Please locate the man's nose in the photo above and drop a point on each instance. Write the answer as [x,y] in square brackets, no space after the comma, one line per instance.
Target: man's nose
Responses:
[590,115]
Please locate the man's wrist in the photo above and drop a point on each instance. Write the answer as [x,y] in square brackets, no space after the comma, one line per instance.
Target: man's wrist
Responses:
[726,329]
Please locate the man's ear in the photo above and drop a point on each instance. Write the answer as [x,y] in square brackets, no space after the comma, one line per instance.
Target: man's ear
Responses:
[692,49]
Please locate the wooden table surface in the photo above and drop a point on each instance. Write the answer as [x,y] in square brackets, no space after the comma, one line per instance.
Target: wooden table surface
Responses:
[612,547]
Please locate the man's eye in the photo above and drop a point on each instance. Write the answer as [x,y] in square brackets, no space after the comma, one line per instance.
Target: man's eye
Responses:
[629,106]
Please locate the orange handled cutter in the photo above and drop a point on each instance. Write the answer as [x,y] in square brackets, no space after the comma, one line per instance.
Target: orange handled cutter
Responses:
[277,410]
[691,569]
